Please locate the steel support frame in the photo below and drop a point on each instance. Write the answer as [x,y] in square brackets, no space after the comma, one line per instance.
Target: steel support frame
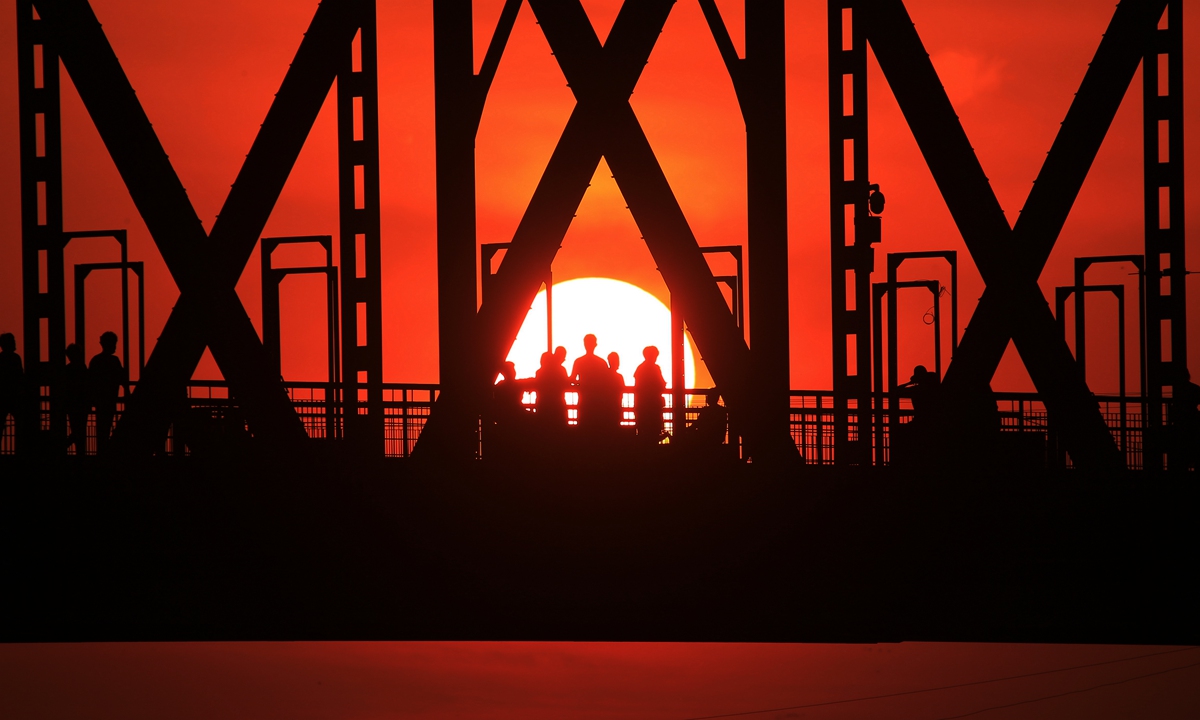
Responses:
[122,238]
[852,252]
[737,305]
[271,279]
[1010,258]
[1165,239]
[459,97]
[360,238]
[760,81]
[894,261]
[205,266]
[1080,291]
[82,271]
[42,263]
[884,416]
[602,125]
[1082,265]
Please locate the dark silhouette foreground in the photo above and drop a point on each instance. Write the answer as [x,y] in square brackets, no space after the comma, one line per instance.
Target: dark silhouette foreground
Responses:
[588,546]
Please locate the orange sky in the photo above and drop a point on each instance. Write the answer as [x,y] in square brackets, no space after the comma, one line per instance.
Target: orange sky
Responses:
[206,74]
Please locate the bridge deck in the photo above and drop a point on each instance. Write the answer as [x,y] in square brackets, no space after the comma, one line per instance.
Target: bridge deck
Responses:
[653,547]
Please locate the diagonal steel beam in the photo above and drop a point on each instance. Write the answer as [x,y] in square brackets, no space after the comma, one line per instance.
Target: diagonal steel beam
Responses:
[1062,176]
[544,223]
[655,209]
[604,124]
[205,268]
[245,213]
[1010,260]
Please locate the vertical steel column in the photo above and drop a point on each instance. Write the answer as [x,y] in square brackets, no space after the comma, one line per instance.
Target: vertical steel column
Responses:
[851,251]
[765,113]
[43,282]
[1166,305]
[678,379]
[457,102]
[362,290]
[881,416]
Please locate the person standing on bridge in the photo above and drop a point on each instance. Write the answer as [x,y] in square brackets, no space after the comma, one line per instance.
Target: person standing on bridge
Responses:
[648,388]
[614,395]
[12,384]
[106,377]
[550,382]
[76,398]
[589,373]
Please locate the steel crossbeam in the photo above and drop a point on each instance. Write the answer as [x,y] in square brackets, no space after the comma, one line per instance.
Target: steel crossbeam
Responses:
[1010,258]
[205,267]
[603,125]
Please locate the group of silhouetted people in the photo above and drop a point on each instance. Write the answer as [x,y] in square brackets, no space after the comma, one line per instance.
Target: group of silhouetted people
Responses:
[600,387]
[95,386]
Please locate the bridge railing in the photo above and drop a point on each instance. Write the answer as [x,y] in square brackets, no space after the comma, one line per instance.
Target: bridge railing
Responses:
[1021,414]
[407,406]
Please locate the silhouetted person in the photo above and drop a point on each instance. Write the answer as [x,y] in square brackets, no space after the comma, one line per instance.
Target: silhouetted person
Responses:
[590,373]
[922,388]
[1185,417]
[106,377]
[506,395]
[875,201]
[913,442]
[12,384]
[613,394]
[648,389]
[551,381]
[76,398]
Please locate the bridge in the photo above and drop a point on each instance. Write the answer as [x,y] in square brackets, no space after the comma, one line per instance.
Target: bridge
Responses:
[837,514]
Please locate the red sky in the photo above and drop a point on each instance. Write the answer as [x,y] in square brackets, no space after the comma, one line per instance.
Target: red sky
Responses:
[536,681]
[206,74]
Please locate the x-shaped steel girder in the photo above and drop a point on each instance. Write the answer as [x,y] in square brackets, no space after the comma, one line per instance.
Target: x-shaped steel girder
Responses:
[205,267]
[1011,259]
[603,125]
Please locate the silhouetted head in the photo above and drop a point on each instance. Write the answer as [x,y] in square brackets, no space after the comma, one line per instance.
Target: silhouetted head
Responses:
[108,342]
[509,370]
[589,343]
[74,354]
[614,361]
[875,201]
[8,342]
[560,354]
[650,353]
[547,359]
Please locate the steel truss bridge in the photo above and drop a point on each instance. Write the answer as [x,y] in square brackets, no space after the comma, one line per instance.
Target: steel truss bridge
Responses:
[851,425]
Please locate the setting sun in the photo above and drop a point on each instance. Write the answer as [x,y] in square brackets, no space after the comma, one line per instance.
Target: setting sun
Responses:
[623,317]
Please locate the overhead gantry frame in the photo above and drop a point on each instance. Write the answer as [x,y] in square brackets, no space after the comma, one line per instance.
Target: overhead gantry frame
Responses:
[206,266]
[475,339]
[1011,258]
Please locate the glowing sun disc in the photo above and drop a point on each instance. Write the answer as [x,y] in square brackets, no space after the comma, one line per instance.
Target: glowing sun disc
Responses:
[623,317]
